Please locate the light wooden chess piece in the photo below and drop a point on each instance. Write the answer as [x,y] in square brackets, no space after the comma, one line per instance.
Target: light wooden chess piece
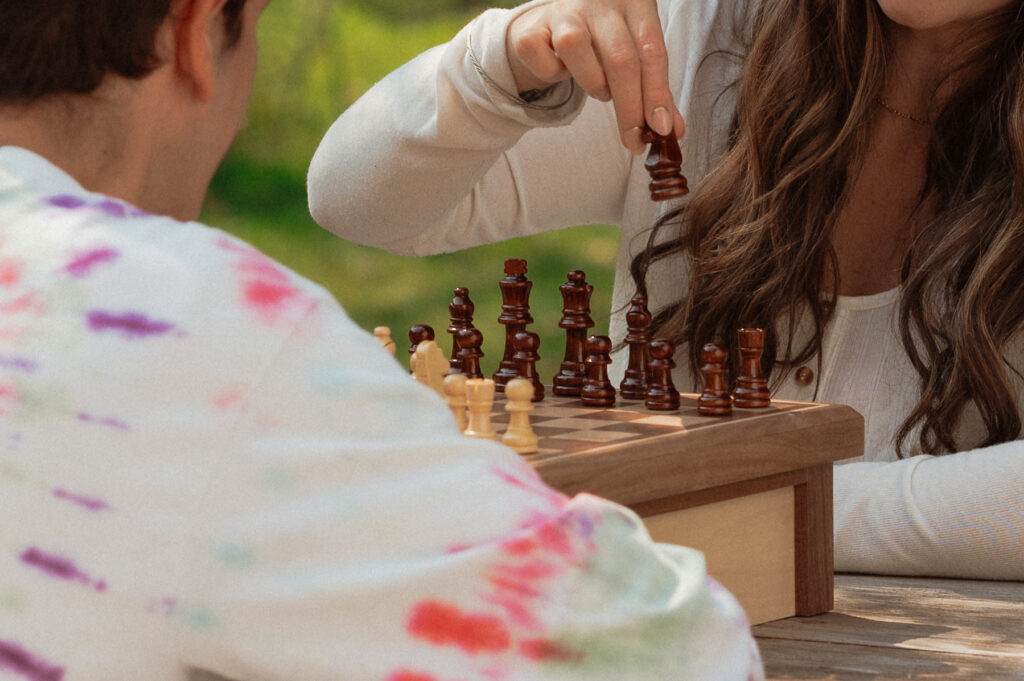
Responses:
[519,435]
[431,365]
[383,334]
[455,394]
[480,398]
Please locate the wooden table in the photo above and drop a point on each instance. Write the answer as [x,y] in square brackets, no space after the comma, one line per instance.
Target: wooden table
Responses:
[903,628]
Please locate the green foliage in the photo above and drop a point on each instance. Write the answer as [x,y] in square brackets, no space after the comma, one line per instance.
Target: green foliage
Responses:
[317,57]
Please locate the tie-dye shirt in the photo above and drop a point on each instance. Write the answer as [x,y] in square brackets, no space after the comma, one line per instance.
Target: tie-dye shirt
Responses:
[204,464]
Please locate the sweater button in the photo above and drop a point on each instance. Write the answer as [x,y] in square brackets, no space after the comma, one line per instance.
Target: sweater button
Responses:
[804,376]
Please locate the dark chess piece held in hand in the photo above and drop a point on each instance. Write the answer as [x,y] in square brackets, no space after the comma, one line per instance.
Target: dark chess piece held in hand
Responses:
[664,164]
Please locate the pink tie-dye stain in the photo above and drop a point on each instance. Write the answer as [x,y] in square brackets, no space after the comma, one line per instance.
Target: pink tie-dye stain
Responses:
[17,660]
[444,624]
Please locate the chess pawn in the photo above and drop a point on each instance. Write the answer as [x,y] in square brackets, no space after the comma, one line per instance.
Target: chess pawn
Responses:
[664,163]
[469,342]
[480,399]
[575,320]
[383,334]
[661,392]
[638,325]
[519,435]
[526,344]
[455,395]
[515,315]
[597,390]
[714,400]
[417,334]
[460,316]
[751,386]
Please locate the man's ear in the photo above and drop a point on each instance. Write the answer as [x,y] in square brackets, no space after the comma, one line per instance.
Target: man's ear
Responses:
[194,32]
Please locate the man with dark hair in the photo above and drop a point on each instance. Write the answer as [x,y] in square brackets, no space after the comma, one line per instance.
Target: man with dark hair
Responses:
[205,465]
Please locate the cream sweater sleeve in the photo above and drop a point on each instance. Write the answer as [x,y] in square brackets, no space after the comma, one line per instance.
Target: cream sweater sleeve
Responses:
[435,158]
[959,515]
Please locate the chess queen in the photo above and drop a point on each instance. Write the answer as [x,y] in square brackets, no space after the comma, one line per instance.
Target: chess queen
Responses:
[855,169]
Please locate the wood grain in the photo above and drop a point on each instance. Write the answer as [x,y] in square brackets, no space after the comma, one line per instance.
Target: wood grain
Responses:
[748,545]
[889,628]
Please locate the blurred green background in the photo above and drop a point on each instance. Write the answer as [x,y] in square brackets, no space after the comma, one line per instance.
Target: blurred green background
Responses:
[317,57]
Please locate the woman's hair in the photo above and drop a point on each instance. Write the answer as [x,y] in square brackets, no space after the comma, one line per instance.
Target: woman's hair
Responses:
[758,230]
[69,46]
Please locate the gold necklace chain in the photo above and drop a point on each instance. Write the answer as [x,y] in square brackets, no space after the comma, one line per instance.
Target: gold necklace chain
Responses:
[891,110]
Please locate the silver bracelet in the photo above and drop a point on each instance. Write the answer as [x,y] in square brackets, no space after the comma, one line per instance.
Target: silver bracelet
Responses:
[524,99]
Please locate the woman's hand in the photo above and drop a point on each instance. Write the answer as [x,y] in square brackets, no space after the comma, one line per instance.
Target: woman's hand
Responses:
[614,49]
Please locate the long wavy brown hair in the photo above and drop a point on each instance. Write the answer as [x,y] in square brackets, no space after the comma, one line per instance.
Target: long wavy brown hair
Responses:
[758,229]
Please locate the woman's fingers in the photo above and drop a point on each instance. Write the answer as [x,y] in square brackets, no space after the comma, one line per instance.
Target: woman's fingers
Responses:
[614,49]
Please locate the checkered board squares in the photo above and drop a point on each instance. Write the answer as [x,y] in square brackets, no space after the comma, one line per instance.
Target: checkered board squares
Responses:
[565,426]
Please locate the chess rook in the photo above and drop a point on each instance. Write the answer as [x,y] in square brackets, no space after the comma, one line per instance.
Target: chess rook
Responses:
[469,353]
[460,316]
[526,344]
[638,326]
[480,398]
[664,163]
[714,400]
[751,390]
[576,320]
[598,391]
[515,315]
[661,392]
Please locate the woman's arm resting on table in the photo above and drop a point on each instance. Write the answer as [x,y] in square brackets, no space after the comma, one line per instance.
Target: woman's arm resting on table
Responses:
[959,515]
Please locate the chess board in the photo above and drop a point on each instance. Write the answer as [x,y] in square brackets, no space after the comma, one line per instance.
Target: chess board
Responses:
[753,490]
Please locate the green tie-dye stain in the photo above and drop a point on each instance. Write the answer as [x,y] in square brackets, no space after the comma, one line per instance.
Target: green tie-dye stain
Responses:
[13,600]
[236,556]
[200,619]
[279,480]
[10,473]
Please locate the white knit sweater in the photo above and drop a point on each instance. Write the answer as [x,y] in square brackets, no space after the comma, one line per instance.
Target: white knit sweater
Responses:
[475,167]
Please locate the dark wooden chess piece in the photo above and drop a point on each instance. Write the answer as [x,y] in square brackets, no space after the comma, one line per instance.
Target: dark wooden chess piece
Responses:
[515,315]
[469,342]
[638,327]
[714,400]
[460,314]
[597,390]
[417,334]
[576,320]
[661,392]
[526,344]
[664,163]
[751,385]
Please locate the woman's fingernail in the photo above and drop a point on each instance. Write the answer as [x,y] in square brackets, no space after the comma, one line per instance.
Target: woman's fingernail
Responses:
[661,121]
[633,139]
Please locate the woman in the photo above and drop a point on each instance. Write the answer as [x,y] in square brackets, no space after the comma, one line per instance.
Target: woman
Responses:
[855,167]
[205,465]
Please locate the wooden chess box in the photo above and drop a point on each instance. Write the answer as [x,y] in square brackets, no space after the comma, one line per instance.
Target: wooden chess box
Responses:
[752,490]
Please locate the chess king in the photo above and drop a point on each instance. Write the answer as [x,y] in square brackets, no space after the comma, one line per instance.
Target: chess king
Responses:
[206,466]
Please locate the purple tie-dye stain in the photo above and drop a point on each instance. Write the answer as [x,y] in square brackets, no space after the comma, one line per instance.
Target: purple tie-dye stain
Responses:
[108,422]
[115,209]
[18,363]
[59,568]
[85,502]
[83,264]
[131,324]
[14,658]
[66,201]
